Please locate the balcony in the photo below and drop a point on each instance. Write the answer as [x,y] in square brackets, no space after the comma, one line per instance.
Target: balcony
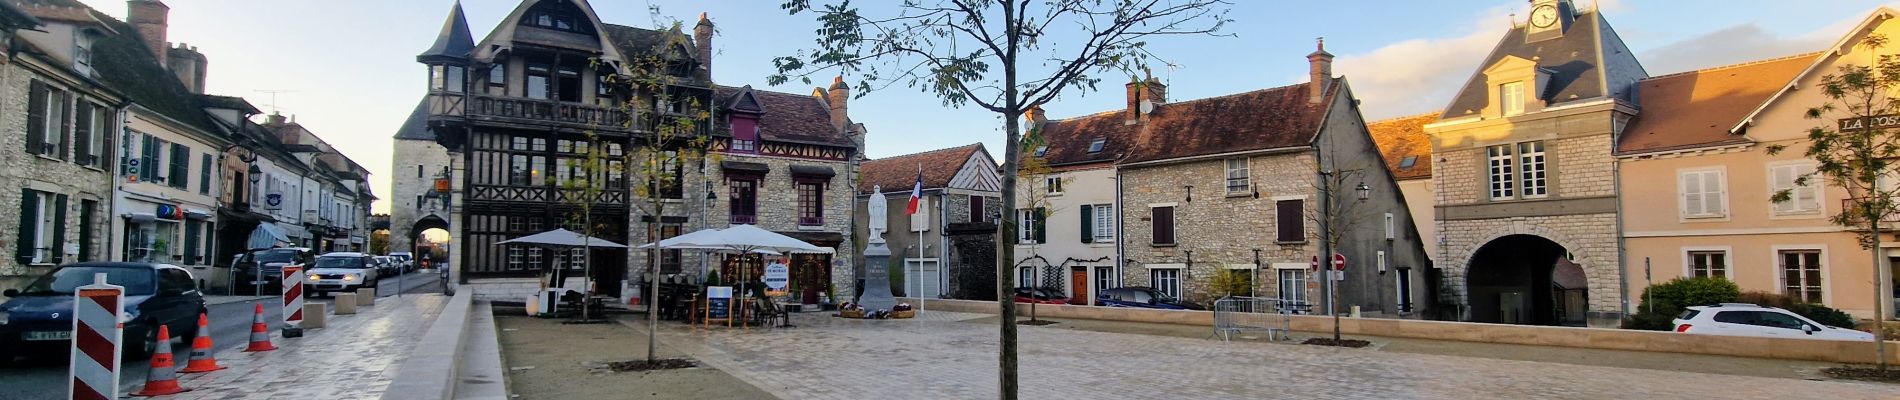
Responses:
[534,113]
[738,219]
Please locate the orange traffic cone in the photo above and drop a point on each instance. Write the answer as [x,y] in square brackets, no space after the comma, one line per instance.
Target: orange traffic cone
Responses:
[161,380]
[260,333]
[202,359]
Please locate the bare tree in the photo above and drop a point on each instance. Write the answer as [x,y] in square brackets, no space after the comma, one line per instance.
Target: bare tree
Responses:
[1003,56]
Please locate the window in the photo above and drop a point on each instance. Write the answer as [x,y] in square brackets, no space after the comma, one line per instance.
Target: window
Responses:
[1293,285]
[669,259]
[1403,285]
[1098,223]
[1168,281]
[1291,220]
[811,203]
[1511,97]
[1804,197]
[1096,145]
[1025,277]
[745,135]
[148,158]
[1503,179]
[1531,162]
[82,52]
[536,86]
[447,78]
[1237,176]
[1053,185]
[1042,150]
[1391,229]
[90,128]
[1242,281]
[42,227]
[567,82]
[1704,264]
[1408,162]
[46,126]
[204,174]
[672,182]
[577,258]
[180,175]
[534,257]
[1163,225]
[976,209]
[1801,274]
[498,80]
[1703,194]
[174,280]
[744,200]
[1029,226]
[1105,278]
[516,256]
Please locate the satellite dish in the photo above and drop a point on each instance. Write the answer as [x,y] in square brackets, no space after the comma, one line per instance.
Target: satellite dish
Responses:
[1147,107]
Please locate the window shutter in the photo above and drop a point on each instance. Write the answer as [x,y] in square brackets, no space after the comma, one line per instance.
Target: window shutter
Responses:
[204,174]
[1088,223]
[1164,225]
[59,230]
[1782,178]
[86,210]
[1290,221]
[1691,194]
[1042,226]
[1713,189]
[65,127]
[191,242]
[82,133]
[180,176]
[148,158]
[36,119]
[29,212]
[108,134]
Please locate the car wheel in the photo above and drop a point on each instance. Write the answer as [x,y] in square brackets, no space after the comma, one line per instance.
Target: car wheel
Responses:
[140,344]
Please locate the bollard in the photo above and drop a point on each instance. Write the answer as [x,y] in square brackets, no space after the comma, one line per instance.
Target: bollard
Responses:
[345,303]
[366,297]
[96,343]
[313,315]
[293,301]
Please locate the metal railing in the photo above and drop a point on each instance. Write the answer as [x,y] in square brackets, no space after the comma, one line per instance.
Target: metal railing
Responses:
[1236,315]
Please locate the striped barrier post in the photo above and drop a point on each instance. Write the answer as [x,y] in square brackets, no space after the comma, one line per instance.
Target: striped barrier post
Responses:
[97,338]
[293,300]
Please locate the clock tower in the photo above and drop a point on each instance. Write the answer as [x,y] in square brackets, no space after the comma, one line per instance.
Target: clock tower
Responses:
[1548,20]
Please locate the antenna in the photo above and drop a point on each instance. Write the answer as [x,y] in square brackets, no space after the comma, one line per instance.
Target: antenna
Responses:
[273,98]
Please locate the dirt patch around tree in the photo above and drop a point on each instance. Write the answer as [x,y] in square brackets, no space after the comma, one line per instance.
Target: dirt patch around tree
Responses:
[550,360]
[1864,373]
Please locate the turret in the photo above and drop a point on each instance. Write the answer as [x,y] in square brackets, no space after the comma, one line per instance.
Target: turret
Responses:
[448,58]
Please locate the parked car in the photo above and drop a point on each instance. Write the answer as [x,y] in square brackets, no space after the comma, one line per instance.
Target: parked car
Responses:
[39,318]
[341,272]
[407,259]
[1143,297]
[269,265]
[387,266]
[1040,296]
[1741,319]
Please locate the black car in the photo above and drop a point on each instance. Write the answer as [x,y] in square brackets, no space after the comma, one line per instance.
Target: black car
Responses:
[263,270]
[39,318]
[1143,297]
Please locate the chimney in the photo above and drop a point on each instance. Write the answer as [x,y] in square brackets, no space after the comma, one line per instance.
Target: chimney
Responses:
[702,40]
[273,120]
[1321,73]
[838,98]
[186,62]
[1035,116]
[1144,90]
[150,16]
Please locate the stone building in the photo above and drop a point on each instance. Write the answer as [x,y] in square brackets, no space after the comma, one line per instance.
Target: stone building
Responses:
[56,129]
[1259,160]
[960,187]
[1525,181]
[504,117]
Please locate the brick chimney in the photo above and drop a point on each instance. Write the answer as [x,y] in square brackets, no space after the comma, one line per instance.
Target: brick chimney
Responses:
[150,17]
[1321,73]
[186,62]
[1035,117]
[839,98]
[1148,90]
[702,40]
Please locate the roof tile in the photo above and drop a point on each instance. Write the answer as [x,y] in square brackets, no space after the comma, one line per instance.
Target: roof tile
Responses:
[1258,120]
[1401,138]
[900,172]
[1697,108]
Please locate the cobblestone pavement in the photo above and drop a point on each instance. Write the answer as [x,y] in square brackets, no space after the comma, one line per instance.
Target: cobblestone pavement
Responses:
[940,358]
[355,356]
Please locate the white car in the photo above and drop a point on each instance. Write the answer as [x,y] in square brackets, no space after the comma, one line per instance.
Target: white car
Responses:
[1740,319]
[341,272]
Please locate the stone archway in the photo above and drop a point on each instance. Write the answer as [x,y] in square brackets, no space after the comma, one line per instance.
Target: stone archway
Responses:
[1524,279]
[415,235]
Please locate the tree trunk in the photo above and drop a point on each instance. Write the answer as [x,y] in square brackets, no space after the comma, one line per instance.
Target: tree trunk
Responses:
[1005,251]
[1880,276]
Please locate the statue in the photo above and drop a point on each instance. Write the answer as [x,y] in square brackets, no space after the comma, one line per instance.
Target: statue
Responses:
[876,208]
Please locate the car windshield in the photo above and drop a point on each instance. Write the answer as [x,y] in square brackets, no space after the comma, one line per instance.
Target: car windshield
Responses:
[341,262]
[276,256]
[137,281]
[1161,297]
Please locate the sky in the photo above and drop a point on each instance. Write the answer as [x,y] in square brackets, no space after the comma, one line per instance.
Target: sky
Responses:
[346,68]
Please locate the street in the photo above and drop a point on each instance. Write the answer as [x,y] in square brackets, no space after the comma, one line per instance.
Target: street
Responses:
[45,378]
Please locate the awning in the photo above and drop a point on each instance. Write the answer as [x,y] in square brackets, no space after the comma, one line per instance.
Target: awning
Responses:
[813,171]
[197,214]
[231,215]
[266,236]
[742,166]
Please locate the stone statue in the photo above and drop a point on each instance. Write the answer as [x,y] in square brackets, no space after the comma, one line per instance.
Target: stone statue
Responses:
[876,207]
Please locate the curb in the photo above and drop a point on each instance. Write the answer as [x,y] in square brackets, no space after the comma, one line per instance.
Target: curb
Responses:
[432,369]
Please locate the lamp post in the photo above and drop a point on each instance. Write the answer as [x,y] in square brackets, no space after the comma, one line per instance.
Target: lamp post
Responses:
[712,199]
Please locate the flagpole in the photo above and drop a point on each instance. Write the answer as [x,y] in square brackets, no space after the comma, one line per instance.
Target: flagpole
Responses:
[920,248]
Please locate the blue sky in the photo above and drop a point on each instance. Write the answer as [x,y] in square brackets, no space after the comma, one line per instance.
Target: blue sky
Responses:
[349,73]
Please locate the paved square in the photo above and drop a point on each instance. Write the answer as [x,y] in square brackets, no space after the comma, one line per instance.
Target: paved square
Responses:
[355,357]
[941,358]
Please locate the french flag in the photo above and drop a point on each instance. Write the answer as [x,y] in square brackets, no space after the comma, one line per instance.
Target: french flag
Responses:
[916,193]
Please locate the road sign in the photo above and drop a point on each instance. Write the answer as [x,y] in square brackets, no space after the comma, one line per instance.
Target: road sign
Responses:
[96,344]
[1314,265]
[1339,261]
[777,276]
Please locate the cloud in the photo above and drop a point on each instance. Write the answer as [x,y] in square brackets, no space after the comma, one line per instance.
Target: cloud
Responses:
[1735,44]
[1419,75]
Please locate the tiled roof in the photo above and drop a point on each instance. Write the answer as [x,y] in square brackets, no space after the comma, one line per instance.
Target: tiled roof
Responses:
[12,17]
[1697,108]
[228,102]
[1258,120]
[790,117]
[1577,62]
[1404,145]
[56,10]
[898,174]
[124,63]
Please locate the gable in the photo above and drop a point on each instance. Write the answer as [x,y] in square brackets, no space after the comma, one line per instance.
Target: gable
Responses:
[1575,63]
[978,173]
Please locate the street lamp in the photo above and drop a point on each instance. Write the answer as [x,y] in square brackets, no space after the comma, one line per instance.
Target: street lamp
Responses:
[1365,192]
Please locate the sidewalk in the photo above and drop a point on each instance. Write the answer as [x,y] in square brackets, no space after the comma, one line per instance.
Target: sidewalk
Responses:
[355,356]
[212,300]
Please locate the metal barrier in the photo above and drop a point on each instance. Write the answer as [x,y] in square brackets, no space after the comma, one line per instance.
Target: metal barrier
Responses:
[1234,315]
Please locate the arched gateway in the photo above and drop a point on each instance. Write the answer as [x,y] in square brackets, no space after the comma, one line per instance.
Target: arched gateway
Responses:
[1526,280]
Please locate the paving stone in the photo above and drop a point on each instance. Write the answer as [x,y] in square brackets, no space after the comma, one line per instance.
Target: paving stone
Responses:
[351,358]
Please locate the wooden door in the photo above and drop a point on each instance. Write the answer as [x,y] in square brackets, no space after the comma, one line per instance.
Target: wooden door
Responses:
[1079,285]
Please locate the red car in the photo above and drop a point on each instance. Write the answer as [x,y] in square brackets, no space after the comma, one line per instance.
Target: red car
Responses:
[1040,296]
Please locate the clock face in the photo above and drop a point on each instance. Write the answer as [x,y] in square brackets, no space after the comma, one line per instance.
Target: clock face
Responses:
[1544,16]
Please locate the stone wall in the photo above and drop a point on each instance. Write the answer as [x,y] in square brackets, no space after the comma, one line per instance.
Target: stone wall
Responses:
[19,170]
[1217,229]
[1590,239]
[404,210]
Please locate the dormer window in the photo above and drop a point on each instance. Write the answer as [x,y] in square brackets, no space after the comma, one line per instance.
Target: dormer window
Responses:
[1096,146]
[551,20]
[82,52]
[1511,98]
[1042,150]
[498,80]
[1408,162]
